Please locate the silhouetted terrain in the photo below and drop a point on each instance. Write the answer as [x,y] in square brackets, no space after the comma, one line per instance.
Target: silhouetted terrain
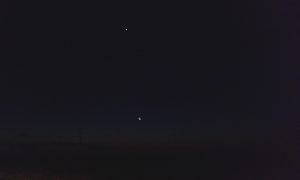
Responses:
[94,161]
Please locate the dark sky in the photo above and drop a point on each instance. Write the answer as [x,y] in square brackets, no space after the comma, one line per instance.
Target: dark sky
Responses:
[208,70]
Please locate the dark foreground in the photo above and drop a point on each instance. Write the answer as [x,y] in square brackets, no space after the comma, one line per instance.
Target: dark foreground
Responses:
[71,161]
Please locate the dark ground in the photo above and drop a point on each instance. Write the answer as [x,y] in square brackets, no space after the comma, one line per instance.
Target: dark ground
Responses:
[93,161]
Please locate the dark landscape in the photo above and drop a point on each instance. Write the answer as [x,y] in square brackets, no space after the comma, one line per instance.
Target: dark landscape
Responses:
[245,160]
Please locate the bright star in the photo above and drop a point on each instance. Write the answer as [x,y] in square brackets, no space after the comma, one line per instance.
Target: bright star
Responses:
[139,118]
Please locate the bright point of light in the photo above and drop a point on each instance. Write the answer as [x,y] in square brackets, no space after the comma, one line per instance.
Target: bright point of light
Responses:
[126,29]
[139,118]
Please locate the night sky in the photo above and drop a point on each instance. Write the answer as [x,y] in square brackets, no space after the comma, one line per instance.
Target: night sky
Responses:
[220,70]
